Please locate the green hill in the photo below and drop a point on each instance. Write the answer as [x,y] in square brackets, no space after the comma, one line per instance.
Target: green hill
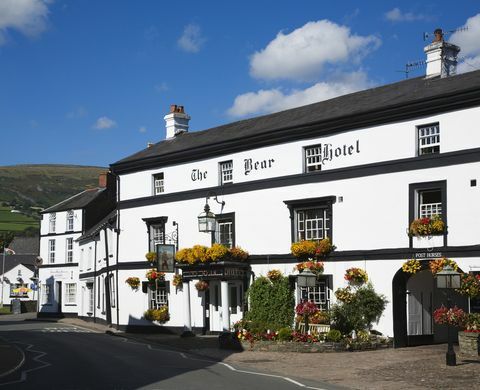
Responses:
[30,188]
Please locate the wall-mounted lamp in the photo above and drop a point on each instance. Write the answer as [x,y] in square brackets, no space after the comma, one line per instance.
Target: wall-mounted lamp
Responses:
[206,220]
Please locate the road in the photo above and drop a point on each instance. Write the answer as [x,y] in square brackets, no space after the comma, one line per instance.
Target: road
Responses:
[62,356]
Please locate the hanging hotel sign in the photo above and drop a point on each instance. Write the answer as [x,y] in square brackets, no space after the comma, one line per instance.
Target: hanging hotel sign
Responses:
[214,273]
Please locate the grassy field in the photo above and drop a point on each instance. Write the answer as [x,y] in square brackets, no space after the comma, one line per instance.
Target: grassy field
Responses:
[15,222]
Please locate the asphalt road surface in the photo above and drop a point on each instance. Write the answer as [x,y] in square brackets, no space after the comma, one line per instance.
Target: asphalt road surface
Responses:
[61,356]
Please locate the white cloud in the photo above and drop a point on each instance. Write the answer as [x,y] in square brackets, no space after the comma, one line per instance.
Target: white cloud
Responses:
[395,15]
[468,40]
[28,17]
[191,40]
[303,53]
[104,123]
[142,129]
[274,100]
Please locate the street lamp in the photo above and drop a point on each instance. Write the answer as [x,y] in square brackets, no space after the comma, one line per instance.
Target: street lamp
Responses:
[306,279]
[449,279]
[206,220]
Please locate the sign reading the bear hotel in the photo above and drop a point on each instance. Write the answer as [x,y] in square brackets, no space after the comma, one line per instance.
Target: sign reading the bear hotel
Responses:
[328,152]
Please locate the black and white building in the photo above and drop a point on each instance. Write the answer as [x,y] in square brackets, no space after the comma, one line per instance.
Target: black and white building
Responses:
[358,169]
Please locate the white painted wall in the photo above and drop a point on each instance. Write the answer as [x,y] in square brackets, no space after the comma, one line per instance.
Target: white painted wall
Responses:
[12,277]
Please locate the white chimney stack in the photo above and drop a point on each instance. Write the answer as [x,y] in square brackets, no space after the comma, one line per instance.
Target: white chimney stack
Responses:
[176,121]
[441,57]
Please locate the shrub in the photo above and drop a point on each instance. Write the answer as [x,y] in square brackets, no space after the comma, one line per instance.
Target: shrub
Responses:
[285,334]
[271,303]
[333,335]
[358,314]
[363,336]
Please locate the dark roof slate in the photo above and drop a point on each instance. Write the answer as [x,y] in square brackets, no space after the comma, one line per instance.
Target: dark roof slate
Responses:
[401,93]
[77,201]
[26,245]
[108,219]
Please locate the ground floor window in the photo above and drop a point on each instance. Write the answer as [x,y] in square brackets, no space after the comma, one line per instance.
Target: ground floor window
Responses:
[91,297]
[46,294]
[158,297]
[70,293]
[320,294]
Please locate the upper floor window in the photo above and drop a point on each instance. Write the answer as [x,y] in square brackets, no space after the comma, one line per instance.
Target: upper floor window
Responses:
[52,224]
[226,172]
[70,216]
[313,158]
[428,139]
[225,230]
[156,236]
[311,218]
[158,184]
[429,203]
[69,247]
[51,251]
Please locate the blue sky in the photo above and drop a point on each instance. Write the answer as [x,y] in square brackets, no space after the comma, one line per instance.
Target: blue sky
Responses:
[88,82]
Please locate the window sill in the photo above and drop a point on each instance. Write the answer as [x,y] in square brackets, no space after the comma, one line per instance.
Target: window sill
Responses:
[70,304]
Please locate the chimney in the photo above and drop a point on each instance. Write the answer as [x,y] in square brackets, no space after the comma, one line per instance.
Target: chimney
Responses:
[441,57]
[102,180]
[176,121]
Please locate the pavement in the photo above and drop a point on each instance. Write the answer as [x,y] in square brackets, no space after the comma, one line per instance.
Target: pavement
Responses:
[404,368]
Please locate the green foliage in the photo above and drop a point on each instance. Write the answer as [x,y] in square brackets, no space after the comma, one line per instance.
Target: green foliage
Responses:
[333,335]
[285,334]
[5,239]
[271,303]
[17,222]
[358,314]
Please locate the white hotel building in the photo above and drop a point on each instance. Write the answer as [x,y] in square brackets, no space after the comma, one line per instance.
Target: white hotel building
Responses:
[358,169]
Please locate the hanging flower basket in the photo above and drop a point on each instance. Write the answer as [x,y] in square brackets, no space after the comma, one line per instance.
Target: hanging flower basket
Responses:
[160,315]
[427,226]
[201,285]
[133,282]
[437,265]
[411,266]
[345,294]
[470,285]
[151,257]
[315,266]
[274,275]
[177,281]
[356,276]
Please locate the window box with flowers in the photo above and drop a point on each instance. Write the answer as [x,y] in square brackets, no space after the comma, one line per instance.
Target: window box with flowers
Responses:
[154,278]
[427,232]
[200,254]
[308,250]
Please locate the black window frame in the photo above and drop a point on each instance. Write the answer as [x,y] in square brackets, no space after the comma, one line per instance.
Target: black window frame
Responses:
[230,217]
[150,223]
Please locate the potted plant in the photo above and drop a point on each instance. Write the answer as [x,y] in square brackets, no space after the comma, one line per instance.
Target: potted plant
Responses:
[160,315]
[201,285]
[177,281]
[154,277]
[313,265]
[274,275]
[133,282]
[470,285]
[437,265]
[356,276]
[427,232]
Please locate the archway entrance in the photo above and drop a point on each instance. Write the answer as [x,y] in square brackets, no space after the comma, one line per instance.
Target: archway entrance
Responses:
[415,298]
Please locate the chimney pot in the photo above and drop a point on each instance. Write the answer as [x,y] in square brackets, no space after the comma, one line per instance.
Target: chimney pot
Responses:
[102,180]
[438,35]
[173,108]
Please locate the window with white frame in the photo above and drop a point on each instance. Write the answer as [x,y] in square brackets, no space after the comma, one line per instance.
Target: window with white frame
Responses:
[428,139]
[226,172]
[320,294]
[158,297]
[157,233]
[90,298]
[313,158]
[112,290]
[52,223]
[46,294]
[225,230]
[312,223]
[70,293]
[429,203]
[51,251]
[69,248]
[158,184]
[70,216]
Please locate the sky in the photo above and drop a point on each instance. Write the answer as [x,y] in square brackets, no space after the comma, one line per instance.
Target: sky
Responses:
[88,82]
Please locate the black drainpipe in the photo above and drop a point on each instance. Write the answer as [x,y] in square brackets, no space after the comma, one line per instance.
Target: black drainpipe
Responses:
[107,279]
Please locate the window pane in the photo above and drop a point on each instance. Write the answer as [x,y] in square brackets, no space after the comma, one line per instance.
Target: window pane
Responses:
[429,139]
[430,203]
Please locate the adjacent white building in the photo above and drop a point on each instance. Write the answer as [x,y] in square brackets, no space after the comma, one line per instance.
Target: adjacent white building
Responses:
[357,169]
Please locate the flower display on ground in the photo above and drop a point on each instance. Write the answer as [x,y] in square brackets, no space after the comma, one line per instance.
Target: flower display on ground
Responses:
[216,253]
[411,266]
[133,282]
[274,275]
[472,322]
[151,257]
[308,249]
[152,275]
[177,280]
[161,315]
[356,276]
[201,285]
[345,294]
[315,266]
[437,265]
[320,317]
[427,226]
[470,285]
[306,308]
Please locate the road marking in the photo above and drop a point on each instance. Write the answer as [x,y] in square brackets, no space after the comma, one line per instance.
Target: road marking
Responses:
[66,330]
[186,356]
[23,376]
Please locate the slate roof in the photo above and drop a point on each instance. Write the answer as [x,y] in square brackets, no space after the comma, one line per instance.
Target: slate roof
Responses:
[11,261]
[77,201]
[108,219]
[26,245]
[404,93]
